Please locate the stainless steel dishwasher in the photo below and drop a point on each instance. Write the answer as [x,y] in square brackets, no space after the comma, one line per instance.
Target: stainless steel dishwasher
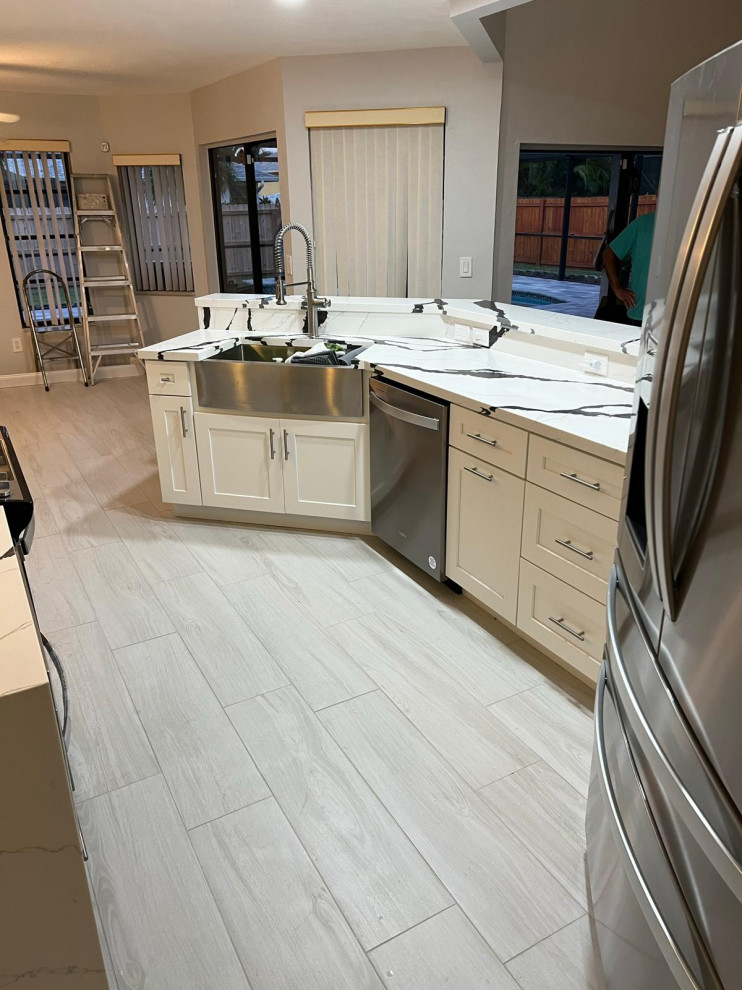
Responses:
[409,456]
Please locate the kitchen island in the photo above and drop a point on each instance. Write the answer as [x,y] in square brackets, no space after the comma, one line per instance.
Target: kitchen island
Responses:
[533,416]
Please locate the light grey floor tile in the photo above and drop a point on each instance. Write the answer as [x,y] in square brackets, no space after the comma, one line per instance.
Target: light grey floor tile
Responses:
[58,594]
[107,960]
[444,953]
[321,669]
[476,654]
[511,899]
[110,481]
[123,601]
[153,542]
[350,556]
[161,922]
[568,960]
[556,727]
[287,929]
[44,524]
[379,880]
[232,658]
[549,816]
[108,746]
[410,671]
[227,553]
[208,770]
[79,516]
[313,584]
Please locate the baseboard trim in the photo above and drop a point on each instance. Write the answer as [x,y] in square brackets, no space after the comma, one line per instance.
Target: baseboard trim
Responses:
[69,375]
[274,520]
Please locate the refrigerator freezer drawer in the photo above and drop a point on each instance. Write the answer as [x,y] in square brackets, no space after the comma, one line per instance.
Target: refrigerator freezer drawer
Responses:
[575,544]
[578,476]
[561,618]
[648,938]
[490,440]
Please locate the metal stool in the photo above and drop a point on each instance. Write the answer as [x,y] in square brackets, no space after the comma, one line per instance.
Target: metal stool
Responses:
[49,310]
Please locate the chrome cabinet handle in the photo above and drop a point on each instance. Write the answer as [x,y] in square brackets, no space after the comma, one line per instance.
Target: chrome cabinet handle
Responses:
[595,485]
[286,444]
[563,625]
[480,474]
[587,554]
[183,426]
[270,439]
[478,436]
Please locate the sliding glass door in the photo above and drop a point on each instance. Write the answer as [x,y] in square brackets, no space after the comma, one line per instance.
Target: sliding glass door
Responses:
[247,214]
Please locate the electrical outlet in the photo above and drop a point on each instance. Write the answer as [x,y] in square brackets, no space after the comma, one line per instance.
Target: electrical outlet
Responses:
[595,364]
[17,345]
[481,337]
[464,267]
[462,334]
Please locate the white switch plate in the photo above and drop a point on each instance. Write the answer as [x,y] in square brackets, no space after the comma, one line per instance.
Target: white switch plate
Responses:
[464,267]
[462,334]
[481,337]
[595,364]
[17,345]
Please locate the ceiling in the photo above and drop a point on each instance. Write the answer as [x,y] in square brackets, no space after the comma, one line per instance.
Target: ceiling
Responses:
[141,46]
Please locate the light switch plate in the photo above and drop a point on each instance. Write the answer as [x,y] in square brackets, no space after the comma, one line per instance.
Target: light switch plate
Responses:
[464,267]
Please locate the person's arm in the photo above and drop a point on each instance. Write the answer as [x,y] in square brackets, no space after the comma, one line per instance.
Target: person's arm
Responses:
[612,270]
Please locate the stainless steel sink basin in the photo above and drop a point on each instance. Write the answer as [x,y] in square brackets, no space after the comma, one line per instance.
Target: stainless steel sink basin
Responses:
[248,379]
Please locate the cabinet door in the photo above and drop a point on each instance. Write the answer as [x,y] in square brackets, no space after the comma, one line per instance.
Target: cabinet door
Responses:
[485,519]
[325,469]
[240,459]
[175,443]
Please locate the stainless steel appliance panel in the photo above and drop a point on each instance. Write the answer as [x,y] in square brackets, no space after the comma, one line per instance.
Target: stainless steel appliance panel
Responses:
[409,457]
[648,938]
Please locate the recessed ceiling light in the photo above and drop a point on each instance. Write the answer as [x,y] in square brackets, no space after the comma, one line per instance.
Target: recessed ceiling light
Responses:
[9,118]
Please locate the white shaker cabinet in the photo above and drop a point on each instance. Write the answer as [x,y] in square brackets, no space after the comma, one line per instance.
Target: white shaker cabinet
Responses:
[485,519]
[241,461]
[175,444]
[325,468]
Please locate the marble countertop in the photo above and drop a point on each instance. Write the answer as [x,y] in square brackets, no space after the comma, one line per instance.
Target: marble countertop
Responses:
[21,661]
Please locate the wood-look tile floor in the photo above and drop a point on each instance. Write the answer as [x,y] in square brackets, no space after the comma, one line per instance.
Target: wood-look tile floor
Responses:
[300,764]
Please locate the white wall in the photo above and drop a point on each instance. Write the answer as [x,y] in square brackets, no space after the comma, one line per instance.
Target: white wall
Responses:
[594,73]
[450,77]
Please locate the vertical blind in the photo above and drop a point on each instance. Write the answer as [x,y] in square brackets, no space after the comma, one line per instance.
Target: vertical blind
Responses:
[377,202]
[39,227]
[158,227]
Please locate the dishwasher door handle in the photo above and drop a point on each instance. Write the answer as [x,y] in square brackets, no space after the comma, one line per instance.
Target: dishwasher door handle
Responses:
[426,422]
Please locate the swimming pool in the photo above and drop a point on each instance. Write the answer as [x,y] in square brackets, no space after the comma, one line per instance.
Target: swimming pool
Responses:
[539,300]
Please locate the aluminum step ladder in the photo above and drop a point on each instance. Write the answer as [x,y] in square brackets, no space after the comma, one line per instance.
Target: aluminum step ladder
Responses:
[110,318]
[50,311]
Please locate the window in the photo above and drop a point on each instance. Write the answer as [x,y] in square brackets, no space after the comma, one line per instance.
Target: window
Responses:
[567,203]
[247,214]
[377,203]
[39,226]
[160,254]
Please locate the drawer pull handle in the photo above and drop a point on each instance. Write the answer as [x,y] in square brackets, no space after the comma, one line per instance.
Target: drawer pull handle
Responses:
[587,554]
[478,436]
[480,474]
[581,481]
[572,632]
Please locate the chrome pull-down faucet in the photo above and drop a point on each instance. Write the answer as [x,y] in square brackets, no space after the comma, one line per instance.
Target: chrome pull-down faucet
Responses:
[314,302]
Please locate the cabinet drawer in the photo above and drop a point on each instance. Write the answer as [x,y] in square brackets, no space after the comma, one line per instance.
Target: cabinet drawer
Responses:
[485,517]
[561,618]
[589,480]
[168,378]
[573,543]
[491,441]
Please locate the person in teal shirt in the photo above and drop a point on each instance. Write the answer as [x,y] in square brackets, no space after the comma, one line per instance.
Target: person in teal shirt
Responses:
[633,244]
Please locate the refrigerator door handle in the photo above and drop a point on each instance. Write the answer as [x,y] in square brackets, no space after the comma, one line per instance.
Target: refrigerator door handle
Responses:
[667,945]
[713,846]
[698,244]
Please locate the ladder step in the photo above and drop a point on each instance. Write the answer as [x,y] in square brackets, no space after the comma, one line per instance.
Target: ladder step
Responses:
[96,213]
[113,317]
[97,350]
[106,283]
[101,247]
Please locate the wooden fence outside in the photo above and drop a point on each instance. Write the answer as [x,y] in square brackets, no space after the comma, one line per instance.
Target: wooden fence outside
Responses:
[538,228]
[236,227]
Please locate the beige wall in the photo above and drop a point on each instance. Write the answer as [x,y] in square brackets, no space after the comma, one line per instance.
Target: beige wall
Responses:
[582,73]
[450,77]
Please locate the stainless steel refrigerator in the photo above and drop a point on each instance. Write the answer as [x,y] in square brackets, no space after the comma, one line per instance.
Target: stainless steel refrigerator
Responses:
[664,823]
